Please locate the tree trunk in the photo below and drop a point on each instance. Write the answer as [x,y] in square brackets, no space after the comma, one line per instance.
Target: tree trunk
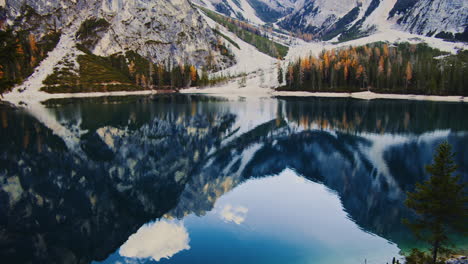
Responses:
[434,252]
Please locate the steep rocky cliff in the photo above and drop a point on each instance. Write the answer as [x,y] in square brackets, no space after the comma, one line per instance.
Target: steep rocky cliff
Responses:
[160,31]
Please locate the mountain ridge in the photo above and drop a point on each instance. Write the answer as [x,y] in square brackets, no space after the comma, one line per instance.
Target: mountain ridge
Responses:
[348,19]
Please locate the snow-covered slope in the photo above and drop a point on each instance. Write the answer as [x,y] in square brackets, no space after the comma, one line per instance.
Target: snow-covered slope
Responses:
[430,17]
[318,14]
[349,19]
[259,70]
[320,17]
[254,11]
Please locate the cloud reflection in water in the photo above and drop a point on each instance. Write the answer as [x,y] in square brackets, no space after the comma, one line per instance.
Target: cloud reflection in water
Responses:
[157,240]
[236,214]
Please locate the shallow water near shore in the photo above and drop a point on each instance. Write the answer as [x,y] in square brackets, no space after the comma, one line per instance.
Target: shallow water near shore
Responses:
[204,179]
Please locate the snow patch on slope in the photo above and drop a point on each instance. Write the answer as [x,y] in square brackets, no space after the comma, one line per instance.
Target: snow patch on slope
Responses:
[318,15]
[328,9]
[29,91]
[244,9]
[379,17]
[249,13]
[259,68]
[432,16]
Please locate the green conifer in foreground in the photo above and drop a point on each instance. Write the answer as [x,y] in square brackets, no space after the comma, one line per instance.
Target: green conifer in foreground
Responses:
[440,203]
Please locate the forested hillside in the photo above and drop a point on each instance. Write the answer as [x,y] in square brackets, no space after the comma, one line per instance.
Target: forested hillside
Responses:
[381,67]
[20,53]
[121,72]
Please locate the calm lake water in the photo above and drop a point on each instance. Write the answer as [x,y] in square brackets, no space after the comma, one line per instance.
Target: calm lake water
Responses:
[197,179]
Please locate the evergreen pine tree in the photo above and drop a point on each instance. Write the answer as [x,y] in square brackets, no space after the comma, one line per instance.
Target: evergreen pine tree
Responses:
[441,203]
[280,75]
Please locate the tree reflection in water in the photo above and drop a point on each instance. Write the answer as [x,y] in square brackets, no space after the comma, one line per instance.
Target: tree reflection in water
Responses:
[139,159]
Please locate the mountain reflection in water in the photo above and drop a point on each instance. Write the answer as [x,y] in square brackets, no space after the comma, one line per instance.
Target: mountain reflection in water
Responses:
[205,179]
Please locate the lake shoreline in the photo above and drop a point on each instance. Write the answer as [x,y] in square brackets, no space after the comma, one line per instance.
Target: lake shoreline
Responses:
[371,96]
[16,98]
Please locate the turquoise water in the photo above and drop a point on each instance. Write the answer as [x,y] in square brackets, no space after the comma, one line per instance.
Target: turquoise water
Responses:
[197,179]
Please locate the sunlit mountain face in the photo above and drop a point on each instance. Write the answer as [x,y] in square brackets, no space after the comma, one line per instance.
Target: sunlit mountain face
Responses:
[192,179]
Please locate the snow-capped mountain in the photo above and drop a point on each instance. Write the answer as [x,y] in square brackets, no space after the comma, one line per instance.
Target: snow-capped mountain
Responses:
[349,19]
[156,29]
[432,17]
[320,16]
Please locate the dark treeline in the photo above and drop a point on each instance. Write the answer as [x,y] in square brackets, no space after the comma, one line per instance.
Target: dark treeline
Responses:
[20,53]
[167,74]
[380,67]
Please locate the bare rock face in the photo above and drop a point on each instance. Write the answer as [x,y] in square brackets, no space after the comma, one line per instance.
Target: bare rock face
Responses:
[159,28]
[432,16]
[156,29]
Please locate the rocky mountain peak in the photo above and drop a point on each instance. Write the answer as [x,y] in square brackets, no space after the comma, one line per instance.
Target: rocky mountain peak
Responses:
[157,29]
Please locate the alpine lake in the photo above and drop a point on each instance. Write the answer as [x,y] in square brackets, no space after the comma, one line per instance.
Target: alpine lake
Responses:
[209,179]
